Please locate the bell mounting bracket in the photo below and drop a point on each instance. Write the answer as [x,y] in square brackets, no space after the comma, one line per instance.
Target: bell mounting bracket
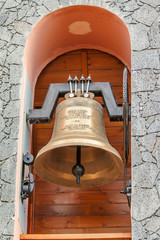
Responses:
[57,90]
[27,185]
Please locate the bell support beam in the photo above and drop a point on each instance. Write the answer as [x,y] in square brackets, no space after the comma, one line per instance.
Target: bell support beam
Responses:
[57,90]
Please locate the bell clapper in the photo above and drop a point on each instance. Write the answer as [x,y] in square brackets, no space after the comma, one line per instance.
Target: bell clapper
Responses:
[75,83]
[82,79]
[88,83]
[70,86]
[78,170]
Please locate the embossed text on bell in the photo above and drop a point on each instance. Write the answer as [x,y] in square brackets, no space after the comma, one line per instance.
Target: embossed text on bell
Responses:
[79,154]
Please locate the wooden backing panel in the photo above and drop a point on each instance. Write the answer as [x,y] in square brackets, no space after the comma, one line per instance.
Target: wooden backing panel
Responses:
[84,63]
[64,63]
[81,198]
[115,77]
[43,136]
[84,230]
[46,79]
[103,61]
[95,236]
[31,212]
[87,230]
[82,221]
[34,139]
[81,210]
[46,187]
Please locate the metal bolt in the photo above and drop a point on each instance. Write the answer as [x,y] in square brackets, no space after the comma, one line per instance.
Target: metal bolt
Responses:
[76,82]
[70,86]
[88,83]
[82,79]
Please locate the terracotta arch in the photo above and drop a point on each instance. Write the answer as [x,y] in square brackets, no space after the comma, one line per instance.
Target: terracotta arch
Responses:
[66,29]
[72,28]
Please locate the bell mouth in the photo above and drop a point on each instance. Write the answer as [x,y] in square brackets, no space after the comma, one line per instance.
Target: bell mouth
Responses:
[101,161]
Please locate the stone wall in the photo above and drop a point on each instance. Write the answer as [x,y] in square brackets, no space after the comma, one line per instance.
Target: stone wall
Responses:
[143,20]
[17,17]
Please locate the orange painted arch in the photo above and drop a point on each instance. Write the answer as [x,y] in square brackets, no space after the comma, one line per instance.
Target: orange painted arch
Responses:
[72,28]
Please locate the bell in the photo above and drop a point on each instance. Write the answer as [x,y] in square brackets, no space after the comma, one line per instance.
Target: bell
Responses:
[79,154]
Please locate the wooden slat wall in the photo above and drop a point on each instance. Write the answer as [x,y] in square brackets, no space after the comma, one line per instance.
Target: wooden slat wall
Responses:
[57,209]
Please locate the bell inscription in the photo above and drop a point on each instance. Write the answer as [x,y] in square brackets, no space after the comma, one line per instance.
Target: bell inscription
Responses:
[77,119]
[78,114]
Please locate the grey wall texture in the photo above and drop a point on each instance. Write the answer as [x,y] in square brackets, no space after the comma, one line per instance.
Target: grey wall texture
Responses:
[17,18]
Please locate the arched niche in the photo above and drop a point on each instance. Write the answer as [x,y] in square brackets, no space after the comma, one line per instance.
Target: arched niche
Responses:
[75,27]
[70,29]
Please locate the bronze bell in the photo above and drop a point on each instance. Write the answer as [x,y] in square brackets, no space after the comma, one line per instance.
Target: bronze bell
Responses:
[79,136]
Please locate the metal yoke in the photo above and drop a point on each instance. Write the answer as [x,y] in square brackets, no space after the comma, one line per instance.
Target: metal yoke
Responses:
[57,90]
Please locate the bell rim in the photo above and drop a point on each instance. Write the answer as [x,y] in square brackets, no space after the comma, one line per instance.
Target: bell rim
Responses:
[88,143]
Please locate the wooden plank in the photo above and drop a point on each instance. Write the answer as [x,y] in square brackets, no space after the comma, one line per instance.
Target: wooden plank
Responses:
[82,210]
[83,230]
[34,139]
[109,236]
[84,62]
[46,79]
[81,198]
[103,61]
[114,77]
[46,187]
[95,236]
[64,63]
[51,222]
[31,212]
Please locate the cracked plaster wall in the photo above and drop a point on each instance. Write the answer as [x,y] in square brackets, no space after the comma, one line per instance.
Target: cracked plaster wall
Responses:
[17,18]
